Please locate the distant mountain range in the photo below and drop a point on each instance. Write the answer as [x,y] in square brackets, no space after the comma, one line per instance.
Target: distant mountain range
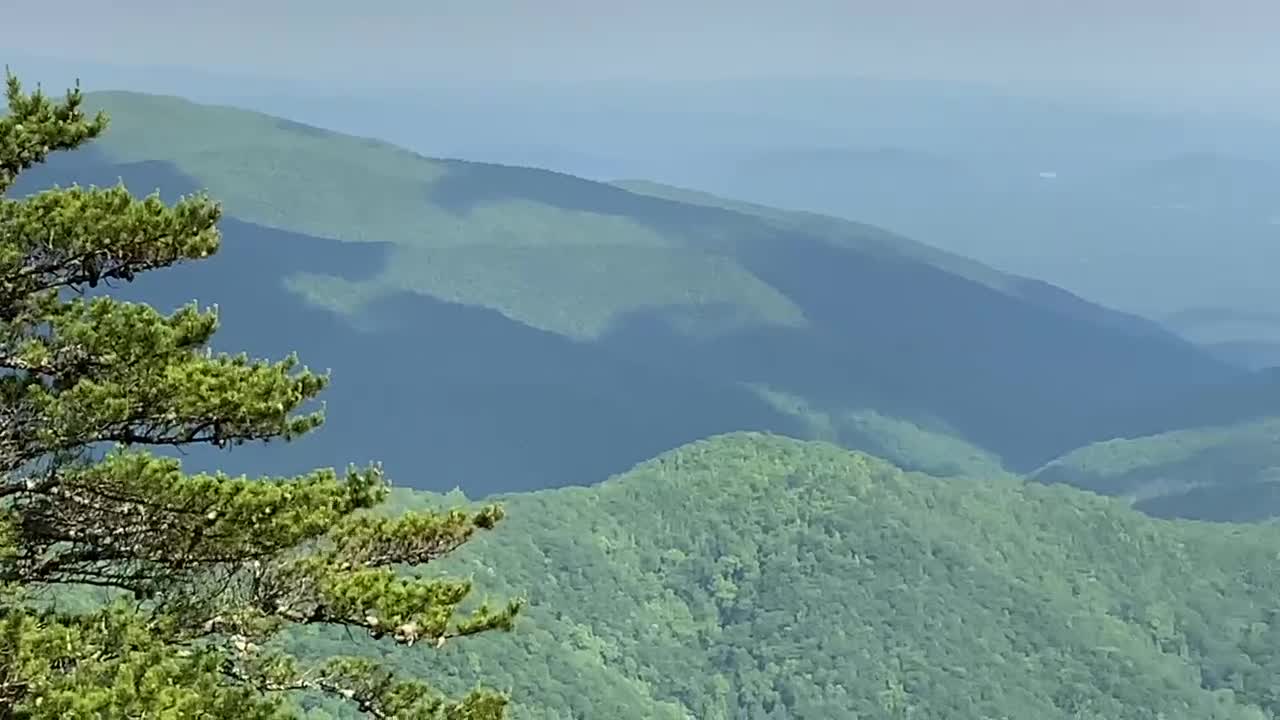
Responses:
[1182,199]
[582,327]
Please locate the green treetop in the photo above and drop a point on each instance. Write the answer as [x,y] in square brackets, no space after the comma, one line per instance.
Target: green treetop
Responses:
[195,575]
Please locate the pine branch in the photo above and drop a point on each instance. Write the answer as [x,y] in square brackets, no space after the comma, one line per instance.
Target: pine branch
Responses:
[36,127]
[205,556]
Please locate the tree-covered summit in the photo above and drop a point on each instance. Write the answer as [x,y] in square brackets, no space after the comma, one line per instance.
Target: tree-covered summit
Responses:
[754,576]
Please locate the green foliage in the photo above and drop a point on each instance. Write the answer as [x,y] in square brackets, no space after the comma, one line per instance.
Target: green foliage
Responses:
[194,575]
[751,576]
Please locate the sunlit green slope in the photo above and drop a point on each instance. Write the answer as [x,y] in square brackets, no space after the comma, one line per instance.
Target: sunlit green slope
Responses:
[749,576]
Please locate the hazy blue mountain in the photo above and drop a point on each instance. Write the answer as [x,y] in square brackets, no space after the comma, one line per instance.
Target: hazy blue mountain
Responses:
[562,329]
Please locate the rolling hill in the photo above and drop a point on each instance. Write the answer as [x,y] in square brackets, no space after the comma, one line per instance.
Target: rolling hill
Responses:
[752,576]
[1224,473]
[505,328]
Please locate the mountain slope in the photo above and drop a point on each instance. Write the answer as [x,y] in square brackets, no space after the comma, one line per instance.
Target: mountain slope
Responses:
[749,576]
[581,327]
[1214,473]
[872,239]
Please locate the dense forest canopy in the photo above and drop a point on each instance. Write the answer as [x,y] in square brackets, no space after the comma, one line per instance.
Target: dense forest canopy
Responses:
[754,576]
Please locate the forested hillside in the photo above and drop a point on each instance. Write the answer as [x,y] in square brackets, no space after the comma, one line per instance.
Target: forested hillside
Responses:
[543,330]
[750,576]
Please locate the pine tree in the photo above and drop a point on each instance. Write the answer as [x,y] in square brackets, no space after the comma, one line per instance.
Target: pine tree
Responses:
[195,577]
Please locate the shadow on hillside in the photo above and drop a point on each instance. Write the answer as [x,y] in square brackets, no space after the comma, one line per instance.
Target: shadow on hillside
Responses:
[1028,376]
[448,395]
[1243,398]
[464,396]
[443,394]
[917,342]
[468,185]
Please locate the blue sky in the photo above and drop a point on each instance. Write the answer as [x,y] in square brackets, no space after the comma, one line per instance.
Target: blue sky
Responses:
[1193,50]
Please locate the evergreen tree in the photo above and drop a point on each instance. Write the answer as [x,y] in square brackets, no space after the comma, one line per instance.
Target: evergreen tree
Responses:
[194,577]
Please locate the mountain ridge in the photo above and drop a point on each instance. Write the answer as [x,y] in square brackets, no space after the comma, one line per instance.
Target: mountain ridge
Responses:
[647,311]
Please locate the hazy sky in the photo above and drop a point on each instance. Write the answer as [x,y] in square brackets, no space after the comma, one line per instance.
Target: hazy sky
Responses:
[1182,49]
